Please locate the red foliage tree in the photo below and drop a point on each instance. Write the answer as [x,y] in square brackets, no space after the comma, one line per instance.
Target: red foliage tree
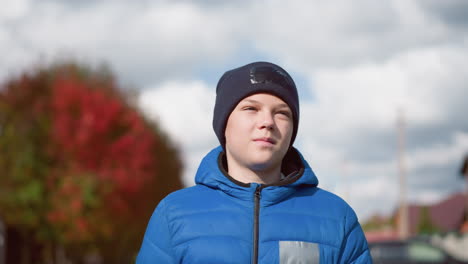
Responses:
[98,166]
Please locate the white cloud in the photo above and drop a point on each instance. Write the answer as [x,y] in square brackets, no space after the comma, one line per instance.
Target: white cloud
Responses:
[376,195]
[184,110]
[369,95]
[439,154]
[143,43]
[12,9]
[314,34]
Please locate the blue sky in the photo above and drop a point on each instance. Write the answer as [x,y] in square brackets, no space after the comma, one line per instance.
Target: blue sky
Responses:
[355,64]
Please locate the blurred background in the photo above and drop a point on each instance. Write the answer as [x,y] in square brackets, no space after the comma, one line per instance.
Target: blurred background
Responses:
[106,107]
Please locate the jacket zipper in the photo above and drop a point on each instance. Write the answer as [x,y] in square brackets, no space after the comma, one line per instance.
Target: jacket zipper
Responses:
[257,195]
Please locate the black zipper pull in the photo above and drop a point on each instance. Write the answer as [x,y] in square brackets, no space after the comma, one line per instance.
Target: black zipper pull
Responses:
[257,193]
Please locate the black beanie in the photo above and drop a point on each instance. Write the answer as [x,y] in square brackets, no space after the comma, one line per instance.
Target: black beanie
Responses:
[253,78]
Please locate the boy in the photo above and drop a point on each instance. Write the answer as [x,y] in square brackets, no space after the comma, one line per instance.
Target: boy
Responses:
[256,199]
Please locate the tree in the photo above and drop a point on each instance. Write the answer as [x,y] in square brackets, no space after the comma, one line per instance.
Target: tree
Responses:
[81,168]
[425,225]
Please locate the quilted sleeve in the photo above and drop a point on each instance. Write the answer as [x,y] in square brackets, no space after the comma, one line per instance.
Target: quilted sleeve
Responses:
[157,245]
[354,248]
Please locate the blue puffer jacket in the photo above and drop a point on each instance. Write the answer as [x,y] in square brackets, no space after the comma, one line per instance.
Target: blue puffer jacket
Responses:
[223,221]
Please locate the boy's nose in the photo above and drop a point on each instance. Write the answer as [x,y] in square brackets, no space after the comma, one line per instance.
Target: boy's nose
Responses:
[267,122]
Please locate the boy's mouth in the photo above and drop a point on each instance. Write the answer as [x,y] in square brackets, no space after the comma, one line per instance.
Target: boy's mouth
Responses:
[266,140]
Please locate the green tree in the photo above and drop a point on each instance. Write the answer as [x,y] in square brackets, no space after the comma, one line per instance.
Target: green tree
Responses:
[425,225]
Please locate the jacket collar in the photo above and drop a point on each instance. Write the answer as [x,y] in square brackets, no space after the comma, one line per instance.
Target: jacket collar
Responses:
[212,173]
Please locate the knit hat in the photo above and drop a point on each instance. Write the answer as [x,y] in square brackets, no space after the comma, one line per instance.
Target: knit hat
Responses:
[253,78]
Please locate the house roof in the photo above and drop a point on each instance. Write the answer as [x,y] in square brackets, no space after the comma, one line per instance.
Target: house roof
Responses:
[446,215]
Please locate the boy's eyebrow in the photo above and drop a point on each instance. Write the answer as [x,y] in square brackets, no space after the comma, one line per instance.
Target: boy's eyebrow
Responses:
[281,105]
[250,101]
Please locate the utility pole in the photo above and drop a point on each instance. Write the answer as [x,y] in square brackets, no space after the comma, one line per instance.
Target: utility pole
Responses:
[403,209]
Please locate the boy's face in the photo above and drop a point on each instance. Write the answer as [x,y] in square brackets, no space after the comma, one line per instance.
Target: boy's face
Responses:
[258,132]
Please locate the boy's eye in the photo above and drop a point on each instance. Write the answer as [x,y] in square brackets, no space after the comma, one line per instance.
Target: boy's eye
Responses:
[285,113]
[249,108]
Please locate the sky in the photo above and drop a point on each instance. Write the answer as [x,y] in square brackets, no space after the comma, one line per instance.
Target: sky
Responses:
[361,68]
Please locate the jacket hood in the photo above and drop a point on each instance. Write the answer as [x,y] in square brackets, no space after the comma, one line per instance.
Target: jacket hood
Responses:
[211,173]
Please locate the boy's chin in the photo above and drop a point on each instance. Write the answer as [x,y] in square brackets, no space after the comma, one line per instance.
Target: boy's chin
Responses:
[263,165]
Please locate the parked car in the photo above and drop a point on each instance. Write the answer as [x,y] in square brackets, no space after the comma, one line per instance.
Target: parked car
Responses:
[413,251]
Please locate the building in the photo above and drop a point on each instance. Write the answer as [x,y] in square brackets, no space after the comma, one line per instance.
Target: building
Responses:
[445,216]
